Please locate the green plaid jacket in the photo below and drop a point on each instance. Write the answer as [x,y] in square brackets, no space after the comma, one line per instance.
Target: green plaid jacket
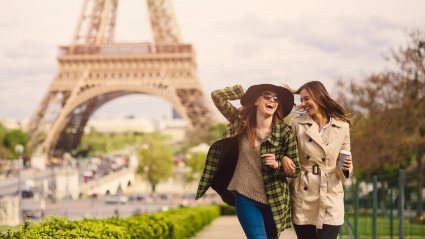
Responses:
[222,158]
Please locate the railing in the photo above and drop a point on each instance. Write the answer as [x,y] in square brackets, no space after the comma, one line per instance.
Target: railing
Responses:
[387,206]
[116,49]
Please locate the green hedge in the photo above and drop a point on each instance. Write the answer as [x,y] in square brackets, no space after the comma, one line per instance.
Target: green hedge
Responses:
[176,223]
[227,210]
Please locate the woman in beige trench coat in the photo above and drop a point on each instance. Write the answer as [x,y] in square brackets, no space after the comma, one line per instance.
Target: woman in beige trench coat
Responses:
[317,194]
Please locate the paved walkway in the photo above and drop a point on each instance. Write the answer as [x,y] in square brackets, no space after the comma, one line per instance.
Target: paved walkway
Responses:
[228,227]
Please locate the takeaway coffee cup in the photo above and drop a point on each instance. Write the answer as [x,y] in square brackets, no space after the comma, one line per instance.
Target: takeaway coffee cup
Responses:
[343,154]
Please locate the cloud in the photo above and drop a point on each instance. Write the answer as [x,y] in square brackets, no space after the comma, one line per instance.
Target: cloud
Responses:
[28,48]
[346,36]
[247,49]
[9,24]
[357,26]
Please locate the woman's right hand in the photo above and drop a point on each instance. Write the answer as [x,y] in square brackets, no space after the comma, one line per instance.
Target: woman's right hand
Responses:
[288,165]
[244,91]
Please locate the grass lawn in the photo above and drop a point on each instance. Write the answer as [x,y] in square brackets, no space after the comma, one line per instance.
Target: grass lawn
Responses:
[384,228]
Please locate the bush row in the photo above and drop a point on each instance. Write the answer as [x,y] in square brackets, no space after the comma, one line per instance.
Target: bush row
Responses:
[227,210]
[176,223]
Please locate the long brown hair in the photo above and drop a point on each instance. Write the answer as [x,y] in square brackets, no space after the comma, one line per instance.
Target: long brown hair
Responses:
[247,120]
[321,96]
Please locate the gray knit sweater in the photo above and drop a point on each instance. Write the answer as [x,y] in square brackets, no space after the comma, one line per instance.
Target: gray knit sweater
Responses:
[248,178]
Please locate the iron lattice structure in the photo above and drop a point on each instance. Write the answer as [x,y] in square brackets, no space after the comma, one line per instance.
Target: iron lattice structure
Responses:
[94,70]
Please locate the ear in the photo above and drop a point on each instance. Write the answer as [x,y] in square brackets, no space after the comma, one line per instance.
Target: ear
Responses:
[256,102]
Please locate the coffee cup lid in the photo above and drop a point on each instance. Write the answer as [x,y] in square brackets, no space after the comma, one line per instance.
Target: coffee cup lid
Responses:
[345,152]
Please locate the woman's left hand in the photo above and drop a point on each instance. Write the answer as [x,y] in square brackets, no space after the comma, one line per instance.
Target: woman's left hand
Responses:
[271,160]
[347,164]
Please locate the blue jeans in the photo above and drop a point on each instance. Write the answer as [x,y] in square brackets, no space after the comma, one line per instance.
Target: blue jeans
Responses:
[255,218]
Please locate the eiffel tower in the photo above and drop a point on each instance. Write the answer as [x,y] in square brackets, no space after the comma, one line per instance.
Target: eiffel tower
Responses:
[94,70]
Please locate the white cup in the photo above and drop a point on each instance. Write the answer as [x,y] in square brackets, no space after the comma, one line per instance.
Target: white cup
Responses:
[343,154]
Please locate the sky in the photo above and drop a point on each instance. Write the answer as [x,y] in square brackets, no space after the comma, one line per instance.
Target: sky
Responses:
[243,42]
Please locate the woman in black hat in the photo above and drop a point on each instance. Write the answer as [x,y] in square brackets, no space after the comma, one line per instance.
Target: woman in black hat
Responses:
[242,165]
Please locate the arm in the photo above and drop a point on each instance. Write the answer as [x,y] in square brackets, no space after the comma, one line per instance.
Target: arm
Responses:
[221,100]
[291,152]
[287,163]
[347,146]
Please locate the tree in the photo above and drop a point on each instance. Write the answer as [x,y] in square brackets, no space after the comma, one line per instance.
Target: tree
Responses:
[389,111]
[4,152]
[208,136]
[159,158]
[196,163]
[14,137]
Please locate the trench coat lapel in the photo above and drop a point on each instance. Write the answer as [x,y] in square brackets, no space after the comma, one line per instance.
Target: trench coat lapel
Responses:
[332,131]
[312,131]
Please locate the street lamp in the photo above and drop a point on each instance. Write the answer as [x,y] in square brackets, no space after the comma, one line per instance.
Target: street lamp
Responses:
[98,195]
[146,169]
[19,149]
[67,158]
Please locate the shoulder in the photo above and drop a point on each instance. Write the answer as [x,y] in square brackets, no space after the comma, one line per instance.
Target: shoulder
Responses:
[283,130]
[340,123]
[299,118]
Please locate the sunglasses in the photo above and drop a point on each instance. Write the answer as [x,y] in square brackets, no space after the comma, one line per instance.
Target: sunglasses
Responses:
[268,96]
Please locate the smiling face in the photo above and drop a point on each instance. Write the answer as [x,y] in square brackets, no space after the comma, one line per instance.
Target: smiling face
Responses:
[307,102]
[266,107]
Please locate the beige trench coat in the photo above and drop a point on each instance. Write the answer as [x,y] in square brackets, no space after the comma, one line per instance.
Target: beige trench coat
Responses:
[317,196]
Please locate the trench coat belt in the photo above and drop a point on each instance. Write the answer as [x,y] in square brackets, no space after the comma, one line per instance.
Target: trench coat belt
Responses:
[323,173]
[322,169]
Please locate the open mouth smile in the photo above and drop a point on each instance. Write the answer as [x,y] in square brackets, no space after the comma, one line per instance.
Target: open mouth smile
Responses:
[270,106]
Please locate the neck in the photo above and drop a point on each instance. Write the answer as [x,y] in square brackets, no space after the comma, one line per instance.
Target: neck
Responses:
[321,119]
[264,122]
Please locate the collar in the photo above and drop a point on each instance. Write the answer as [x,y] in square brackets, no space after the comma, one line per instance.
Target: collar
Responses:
[274,137]
[305,119]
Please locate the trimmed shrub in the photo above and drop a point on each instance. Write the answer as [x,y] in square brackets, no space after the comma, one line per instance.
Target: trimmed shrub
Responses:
[177,223]
[227,210]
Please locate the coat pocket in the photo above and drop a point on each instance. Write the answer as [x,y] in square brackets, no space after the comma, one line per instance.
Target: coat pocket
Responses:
[335,186]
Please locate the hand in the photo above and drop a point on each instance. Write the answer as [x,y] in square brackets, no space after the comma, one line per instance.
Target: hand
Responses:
[347,164]
[271,160]
[288,165]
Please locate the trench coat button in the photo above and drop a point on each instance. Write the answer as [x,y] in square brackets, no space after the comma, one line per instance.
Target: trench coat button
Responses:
[308,157]
[310,140]
[323,159]
[305,188]
[306,172]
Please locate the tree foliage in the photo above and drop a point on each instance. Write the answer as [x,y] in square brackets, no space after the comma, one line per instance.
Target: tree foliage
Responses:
[4,151]
[389,111]
[14,137]
[208,136]
[196,163]
[159,158]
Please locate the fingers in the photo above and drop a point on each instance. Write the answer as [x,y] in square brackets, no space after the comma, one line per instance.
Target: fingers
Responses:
[347,164]
[272,163]
[289,168]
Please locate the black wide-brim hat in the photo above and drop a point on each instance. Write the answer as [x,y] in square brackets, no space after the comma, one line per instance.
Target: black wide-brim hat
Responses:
[286,97]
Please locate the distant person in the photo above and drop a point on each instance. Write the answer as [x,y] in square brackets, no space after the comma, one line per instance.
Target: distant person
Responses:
[317,195]
[241,165]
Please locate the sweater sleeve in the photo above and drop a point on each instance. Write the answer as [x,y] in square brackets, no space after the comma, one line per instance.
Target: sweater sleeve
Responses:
[221,100]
